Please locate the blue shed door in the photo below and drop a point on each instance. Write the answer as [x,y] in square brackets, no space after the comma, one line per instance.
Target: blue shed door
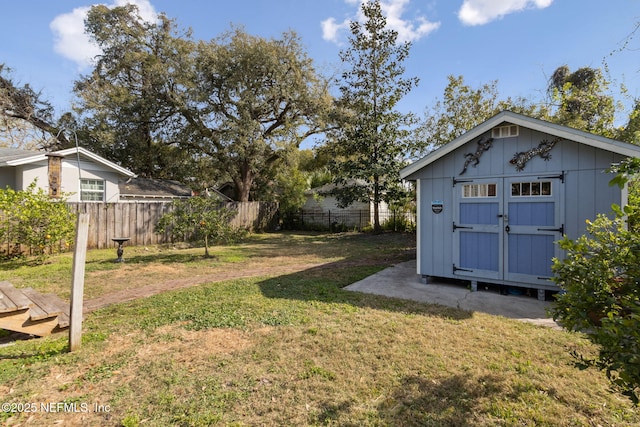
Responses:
[533,223]
[478,243]
[505,228]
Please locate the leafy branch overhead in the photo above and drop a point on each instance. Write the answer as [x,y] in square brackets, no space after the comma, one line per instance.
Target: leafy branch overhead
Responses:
[256,99]
[24,104]
[158,100]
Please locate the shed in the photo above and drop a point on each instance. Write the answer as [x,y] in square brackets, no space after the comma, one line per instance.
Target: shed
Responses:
[493,202]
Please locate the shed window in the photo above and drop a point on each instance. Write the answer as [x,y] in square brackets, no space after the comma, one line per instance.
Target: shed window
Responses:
[91,190]
[505,131]
[531,189]
[478,190]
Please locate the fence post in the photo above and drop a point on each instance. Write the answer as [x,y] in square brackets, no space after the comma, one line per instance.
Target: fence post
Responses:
[77,282]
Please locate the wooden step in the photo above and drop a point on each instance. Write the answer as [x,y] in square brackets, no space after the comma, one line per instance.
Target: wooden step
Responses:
[27,311]
[12,298]
[63,306]
[20,321]
[43,307]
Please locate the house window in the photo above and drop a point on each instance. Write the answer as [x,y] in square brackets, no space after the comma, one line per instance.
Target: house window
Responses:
[478,190]
[531,189]
[505,131]
[91,190]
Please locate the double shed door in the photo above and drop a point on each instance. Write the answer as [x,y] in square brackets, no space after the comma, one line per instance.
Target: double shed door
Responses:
[505,228]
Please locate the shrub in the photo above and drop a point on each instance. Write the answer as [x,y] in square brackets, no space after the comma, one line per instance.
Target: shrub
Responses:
[31,218]
[400,223]
[199,218]
[600,279]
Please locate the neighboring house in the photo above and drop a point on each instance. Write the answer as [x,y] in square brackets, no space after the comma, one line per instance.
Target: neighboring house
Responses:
[77,173]
[148,189]
[227,190]
[213,193]
[493,202]
[321,208]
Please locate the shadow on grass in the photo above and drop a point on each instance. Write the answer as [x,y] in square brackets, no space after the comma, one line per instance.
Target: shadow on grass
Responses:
[39,353]
[420,401]
[445,402]
[294,244]
[325,283]
[157,258]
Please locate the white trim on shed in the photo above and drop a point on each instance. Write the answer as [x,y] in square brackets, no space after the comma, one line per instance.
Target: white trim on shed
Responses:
[528,122]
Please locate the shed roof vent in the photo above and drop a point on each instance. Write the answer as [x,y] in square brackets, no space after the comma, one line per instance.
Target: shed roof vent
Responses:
[505,131]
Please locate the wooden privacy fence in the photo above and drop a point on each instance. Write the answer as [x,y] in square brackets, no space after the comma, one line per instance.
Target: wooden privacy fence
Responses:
[137,220]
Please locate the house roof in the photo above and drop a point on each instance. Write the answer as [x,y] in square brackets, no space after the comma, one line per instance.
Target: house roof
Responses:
[152,188]
[554,129]
[15,157]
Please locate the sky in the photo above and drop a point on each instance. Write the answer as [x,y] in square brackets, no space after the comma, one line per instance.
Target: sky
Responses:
[516,43]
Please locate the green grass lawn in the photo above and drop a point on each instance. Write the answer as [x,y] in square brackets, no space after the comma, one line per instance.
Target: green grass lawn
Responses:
[296,349]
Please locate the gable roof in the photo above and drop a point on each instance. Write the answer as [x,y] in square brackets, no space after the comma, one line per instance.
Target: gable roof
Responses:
[554,129]
[14,157]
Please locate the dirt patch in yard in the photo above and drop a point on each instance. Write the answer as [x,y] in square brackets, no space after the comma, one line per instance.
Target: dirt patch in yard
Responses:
[372,250]
[157,288]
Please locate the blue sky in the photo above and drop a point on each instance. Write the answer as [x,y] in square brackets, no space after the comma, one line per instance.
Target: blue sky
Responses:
[519,43]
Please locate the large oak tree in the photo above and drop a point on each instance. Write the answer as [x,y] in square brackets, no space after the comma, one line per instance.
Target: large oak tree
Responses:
[255,98]
[130,102]
[169,107]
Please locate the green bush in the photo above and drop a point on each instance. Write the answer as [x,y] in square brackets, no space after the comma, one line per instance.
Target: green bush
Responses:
[31,219]
[200,218]
[399,223]
[600,279]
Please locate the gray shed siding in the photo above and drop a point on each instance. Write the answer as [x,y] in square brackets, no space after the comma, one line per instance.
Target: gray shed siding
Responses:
[584,194]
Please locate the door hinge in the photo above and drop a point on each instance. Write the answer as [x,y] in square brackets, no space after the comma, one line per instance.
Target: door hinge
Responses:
[455,181]
[559,230]
[560,177]
[455,227]
[460,269]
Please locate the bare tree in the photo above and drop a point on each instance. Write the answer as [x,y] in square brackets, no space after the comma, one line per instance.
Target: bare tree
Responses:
[22,108]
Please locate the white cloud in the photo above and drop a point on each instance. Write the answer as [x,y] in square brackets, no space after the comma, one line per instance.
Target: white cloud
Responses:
[331,29]
[72,42]
[393,11]
[480,12]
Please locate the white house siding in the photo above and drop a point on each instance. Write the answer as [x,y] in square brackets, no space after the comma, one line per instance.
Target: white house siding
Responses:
[88,170]
[326,211]
[26,174]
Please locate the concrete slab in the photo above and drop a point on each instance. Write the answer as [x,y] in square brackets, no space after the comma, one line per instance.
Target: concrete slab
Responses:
[401,281]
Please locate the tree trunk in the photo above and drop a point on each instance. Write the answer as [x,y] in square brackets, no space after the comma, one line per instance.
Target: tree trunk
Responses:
[376,205]
[244,183]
